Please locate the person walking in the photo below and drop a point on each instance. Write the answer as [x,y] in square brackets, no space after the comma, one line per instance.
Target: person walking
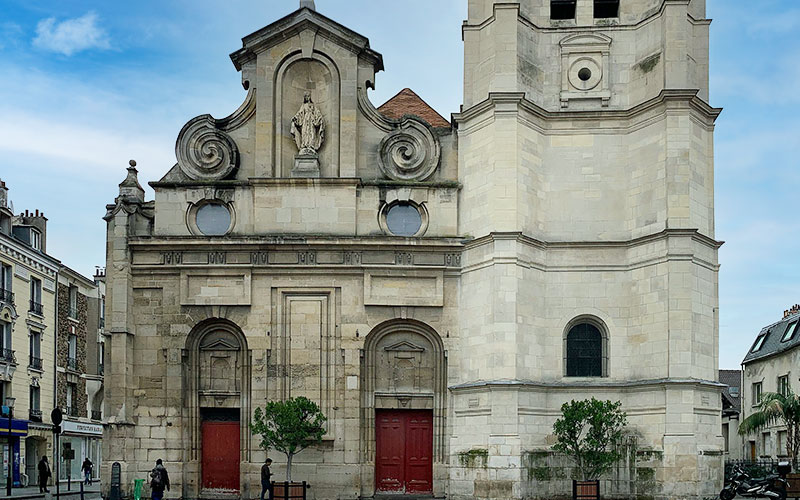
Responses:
[87,471]
[266,483]
[44,474]
[159,479]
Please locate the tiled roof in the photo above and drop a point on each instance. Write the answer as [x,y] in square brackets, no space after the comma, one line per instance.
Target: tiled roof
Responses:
[732,378]
[772,343]
[406,102]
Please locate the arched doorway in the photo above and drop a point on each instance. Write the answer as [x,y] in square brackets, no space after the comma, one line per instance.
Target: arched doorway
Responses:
[403,379]
[218,376]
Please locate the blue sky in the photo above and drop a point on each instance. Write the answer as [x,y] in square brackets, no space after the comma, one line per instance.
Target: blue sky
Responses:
[86,85]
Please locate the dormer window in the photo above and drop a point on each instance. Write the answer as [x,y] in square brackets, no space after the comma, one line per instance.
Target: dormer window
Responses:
[562,9]
[789,333]
[759,342]
[36,239]
[604,9]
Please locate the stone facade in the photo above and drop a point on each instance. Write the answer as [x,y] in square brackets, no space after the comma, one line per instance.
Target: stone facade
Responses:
[435,269]
[28,308]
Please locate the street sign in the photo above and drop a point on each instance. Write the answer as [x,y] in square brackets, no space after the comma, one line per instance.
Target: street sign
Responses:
[56,416]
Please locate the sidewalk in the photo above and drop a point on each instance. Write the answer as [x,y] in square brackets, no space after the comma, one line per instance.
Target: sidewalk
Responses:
[32,492]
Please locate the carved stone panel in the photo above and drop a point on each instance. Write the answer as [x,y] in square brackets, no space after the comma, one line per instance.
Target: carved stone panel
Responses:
[404,364]
[220,362]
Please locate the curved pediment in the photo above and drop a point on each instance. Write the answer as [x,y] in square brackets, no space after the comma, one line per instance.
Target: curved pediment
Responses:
[598,40]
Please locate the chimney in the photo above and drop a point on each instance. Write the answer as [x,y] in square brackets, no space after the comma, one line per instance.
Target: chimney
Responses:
[792,311]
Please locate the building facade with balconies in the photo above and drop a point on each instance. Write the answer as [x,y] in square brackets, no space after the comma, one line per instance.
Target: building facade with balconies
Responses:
[77,379]
[28,279]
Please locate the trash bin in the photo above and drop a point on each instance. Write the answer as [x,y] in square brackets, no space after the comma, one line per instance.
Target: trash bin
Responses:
[137,489]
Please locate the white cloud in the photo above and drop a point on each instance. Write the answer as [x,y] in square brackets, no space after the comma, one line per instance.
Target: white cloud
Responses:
[72,35]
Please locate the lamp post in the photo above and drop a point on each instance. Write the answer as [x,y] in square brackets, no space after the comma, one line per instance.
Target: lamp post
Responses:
[10,405]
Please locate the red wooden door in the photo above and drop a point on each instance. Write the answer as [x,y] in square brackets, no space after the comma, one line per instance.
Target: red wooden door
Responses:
[404,451]
[220,455]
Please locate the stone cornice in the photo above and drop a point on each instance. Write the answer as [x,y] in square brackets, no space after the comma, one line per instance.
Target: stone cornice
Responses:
[666,233]
[598,383]
[248,243]
[306,181]
[41,262]
[547,121]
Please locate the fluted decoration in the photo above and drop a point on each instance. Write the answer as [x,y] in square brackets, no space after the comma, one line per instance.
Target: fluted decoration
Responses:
[205,152]
[410,152]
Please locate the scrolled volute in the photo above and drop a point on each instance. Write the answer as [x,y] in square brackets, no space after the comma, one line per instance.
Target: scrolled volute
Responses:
[205,152]
[409,153]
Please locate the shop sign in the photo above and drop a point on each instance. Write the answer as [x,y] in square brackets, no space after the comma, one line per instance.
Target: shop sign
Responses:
[81,428]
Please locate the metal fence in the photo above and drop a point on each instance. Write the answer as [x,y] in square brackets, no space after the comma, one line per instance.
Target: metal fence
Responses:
[757,468]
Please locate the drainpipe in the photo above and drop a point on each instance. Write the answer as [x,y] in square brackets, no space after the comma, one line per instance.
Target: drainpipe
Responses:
[54,467]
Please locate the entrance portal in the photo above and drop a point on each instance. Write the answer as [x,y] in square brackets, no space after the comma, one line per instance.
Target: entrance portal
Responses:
[220,462]
[404,449]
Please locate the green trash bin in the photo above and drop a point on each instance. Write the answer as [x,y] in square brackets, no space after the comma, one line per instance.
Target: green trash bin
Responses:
[137,489]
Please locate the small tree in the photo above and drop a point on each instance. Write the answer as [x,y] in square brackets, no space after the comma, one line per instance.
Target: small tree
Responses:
[289,426]
[589,432]
[775,407]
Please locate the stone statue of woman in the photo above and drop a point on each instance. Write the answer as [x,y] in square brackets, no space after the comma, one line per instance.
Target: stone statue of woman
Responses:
[308,127]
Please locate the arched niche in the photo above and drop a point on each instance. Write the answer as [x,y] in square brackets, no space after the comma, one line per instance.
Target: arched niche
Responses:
[404,366]
[217,377]
[296,76]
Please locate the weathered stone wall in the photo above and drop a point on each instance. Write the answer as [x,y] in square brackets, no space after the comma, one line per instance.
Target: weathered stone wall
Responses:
[71,326]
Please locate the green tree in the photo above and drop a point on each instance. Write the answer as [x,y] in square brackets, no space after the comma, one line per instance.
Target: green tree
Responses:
[777,408]
[589,432]
[289,426]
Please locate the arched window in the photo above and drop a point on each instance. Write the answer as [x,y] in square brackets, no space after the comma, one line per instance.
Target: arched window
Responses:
[585,351]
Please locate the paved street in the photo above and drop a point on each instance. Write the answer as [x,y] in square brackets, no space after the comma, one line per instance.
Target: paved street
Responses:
[32,492]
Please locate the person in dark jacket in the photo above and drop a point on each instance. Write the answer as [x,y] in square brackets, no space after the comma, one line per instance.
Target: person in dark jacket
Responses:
[87,471]
[266,474]
[159,479]
[44,474]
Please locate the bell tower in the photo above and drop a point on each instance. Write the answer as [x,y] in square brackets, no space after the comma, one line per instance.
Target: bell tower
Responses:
[586,165]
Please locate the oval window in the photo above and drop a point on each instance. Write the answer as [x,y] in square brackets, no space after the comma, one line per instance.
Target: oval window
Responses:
[213,219]
[403,219]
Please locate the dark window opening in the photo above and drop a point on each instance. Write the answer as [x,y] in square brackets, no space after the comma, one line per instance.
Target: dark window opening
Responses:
[562,9]
[604,9]
[584,351]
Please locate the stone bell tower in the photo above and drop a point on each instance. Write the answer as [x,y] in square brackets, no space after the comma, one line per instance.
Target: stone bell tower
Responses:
[586,164]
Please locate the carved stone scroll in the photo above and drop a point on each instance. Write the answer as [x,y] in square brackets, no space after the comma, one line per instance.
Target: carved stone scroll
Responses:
[409,153]
[204,151]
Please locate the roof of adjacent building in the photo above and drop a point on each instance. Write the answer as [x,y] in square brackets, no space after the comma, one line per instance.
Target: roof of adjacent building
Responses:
[407,102]
[773,333]
[732,378]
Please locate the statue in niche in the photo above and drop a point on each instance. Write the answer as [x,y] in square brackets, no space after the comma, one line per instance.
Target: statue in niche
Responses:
[308,131]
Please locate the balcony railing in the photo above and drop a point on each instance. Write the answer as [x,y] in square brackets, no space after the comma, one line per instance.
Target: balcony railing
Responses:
[72,411]
[97,415]
[34,362]
[35,415]
[72,312]
[72,363]
[7,355]
[6,296]
[36,308]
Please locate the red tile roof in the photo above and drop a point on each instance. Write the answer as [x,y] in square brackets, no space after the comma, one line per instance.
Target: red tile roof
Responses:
[406,102]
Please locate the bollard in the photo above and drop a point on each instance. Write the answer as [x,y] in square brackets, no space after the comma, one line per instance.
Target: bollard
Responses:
[82,498]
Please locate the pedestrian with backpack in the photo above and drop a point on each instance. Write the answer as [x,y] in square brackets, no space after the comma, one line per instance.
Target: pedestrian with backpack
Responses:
[159,479]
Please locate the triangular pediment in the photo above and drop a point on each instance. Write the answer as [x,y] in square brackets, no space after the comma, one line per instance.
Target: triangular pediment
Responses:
[220,344]
[404,346]
[295,23]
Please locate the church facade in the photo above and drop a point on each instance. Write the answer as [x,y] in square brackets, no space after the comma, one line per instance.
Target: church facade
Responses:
[439,288]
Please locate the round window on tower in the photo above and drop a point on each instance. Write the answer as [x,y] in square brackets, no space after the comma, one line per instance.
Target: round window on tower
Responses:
[213,218]
[403,218]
